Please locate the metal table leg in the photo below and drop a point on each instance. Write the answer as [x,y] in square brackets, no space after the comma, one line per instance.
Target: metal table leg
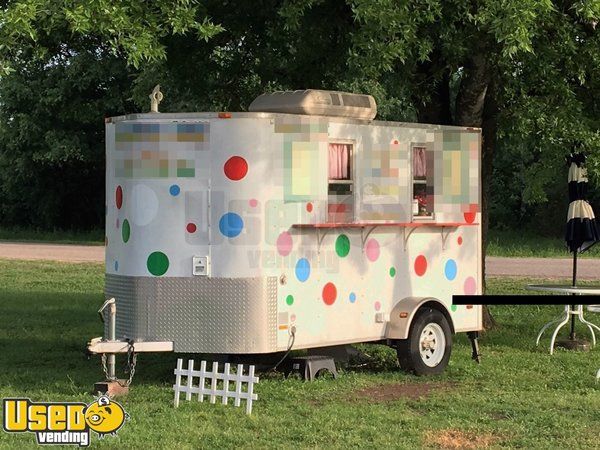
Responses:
[568,313]
[590,325]
[545,327]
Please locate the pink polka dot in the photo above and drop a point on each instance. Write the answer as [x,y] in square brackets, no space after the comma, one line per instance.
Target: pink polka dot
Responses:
[420,265]
[377,306]
[372,250]
[470,286]
[253,202]
[284,243]
[293,318]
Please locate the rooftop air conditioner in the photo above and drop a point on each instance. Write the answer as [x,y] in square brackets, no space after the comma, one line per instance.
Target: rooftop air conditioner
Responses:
[317,103]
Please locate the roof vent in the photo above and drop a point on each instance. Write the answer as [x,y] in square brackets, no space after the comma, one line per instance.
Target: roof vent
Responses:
[317,103]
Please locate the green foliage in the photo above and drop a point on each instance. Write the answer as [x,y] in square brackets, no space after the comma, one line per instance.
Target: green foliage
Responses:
[534,65]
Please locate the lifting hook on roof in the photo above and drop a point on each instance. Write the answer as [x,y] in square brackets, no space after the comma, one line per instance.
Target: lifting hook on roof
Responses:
[155,98]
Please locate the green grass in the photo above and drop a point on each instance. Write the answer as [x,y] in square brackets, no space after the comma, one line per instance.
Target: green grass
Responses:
[527,244]
[93,237]
[518,397]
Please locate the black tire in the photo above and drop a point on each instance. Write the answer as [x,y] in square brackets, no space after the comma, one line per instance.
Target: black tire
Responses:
[408,350]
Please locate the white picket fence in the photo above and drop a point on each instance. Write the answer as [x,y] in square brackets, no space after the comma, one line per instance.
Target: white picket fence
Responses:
[212,377]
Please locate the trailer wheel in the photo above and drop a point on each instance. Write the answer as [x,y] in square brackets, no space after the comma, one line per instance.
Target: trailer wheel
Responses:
[429,344]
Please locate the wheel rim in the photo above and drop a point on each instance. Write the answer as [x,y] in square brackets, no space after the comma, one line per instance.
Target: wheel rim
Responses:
[432,344]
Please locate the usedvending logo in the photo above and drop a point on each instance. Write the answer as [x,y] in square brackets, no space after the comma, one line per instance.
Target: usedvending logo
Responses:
[63,422]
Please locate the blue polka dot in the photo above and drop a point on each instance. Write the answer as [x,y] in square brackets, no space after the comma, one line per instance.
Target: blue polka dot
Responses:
[352,297]
[231,224]
[174,190]
[450,269]
[302,269]
[116,266]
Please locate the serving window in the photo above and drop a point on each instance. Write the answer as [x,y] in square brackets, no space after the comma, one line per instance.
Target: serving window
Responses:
[340,186]
[422,181]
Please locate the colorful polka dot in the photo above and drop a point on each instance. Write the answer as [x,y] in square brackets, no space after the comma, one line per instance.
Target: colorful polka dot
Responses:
[253,203]
[125,231]
[309,207]
[392,272]
[450,269]
[289,300]
[174,190]
[377,306]
[420,265]
[372,250]
[342,245]
[352,297]
[284,243]
[144,205]
[302,269]
[469,217]
[235,168]
[119,197]
[453,308]
[470,286]
[460,240]
[191,227]
[329,293]
[293,318]
[157,263]
[231,225]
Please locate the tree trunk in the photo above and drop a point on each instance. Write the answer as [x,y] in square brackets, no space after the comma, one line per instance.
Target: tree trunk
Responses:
[476,107]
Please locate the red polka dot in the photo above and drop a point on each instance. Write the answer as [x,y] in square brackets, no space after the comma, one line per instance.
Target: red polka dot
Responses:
[420,265]
[119,197]
[460,240]
[395,142]
[236,168]
[191,227]
[309,207]
[469,217]
[329,294]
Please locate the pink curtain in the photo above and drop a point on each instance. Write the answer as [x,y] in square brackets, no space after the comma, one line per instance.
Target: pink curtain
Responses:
[419,162]
[339,156]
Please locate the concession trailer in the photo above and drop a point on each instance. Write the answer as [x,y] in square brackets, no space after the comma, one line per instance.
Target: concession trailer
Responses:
[300,224]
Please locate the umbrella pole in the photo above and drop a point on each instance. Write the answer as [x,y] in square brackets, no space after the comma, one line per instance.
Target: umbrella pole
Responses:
[572,335]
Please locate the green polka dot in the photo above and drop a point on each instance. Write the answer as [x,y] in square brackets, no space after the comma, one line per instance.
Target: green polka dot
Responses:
[125,230]
[454,308]
[289,300]
[392,271]
[157,263]
[342,245]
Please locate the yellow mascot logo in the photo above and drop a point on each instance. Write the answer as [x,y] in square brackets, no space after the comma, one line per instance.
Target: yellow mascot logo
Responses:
[63,423]
[105,416]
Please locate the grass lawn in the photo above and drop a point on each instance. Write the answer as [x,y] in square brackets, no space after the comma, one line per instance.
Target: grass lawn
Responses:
[519,396]
[526,244]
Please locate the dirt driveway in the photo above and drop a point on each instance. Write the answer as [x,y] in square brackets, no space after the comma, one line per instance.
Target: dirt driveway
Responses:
[588,269]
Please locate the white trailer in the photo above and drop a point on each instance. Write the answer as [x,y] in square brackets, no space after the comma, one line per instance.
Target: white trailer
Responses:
[303,223]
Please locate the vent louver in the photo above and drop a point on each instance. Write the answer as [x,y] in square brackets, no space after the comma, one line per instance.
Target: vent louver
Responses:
[317,103]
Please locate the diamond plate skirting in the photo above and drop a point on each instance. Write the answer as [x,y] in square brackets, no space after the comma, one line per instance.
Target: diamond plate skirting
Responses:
[200,315]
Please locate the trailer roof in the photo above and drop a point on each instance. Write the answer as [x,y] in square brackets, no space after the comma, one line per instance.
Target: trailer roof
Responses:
[260,115]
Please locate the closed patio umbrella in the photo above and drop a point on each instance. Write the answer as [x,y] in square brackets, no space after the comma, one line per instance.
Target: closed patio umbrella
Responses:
[582,229]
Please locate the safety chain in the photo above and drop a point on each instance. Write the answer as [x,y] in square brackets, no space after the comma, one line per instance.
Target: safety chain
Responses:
[129,365]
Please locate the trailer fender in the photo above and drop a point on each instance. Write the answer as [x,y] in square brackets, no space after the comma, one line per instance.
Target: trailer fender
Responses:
[404,311]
